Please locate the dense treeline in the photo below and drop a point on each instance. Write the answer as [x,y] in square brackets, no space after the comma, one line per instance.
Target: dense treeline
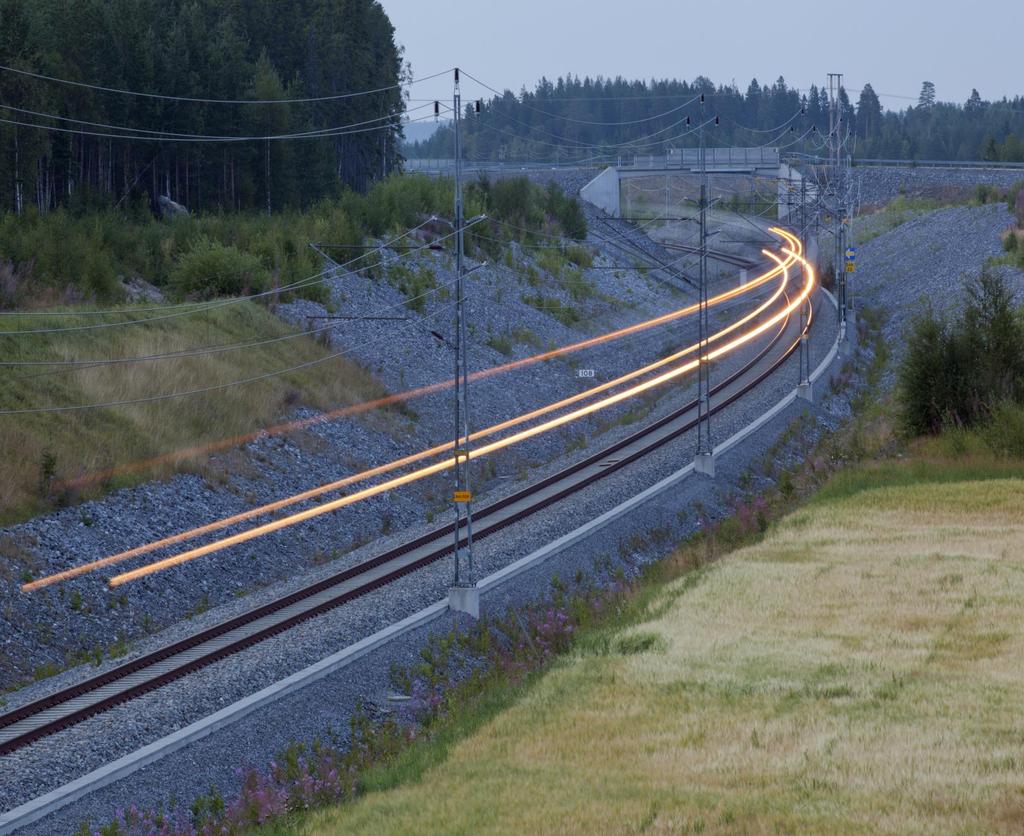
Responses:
[575,118]
[210,49]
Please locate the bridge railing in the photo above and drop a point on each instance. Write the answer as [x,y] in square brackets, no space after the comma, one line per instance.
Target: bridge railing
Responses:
[810,159]
[690,158]
[447,166]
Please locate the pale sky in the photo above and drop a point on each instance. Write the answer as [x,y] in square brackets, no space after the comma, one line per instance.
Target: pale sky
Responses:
[895,45]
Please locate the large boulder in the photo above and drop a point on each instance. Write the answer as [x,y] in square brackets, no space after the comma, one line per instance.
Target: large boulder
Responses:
[170,209]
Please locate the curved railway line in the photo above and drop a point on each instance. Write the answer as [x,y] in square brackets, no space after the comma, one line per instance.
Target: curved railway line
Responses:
[69,706]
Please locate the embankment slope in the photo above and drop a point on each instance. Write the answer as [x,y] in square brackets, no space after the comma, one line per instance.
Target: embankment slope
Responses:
[857,670]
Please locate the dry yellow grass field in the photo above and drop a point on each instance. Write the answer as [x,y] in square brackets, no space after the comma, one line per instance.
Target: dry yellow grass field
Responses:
[860,670]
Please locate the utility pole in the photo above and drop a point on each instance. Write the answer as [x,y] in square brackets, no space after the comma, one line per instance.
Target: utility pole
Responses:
[835,119]
[803,205]
[463,596]
[705,459]
[268,176]
[804,388]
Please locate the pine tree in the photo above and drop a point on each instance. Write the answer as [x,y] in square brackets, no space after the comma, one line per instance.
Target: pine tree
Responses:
[927,97]
[869,112]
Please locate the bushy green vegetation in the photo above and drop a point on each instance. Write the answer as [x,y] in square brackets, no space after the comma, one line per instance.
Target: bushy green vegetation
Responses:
[959,370]
[580,256]
[210,269]
[525,212]
[64,257]
[413,282]
[67,256]
[896,213]
[1015,201]
[566,314]
[1013,238]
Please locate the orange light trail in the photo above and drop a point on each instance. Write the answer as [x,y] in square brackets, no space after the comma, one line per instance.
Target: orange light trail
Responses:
[438,467]
[401,397]
[312,493]
[218,525]
[280,504]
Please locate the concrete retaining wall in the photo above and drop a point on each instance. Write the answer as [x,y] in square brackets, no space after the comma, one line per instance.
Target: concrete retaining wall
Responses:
[603,192]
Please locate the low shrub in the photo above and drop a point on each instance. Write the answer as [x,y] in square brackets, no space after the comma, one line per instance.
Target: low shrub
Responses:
[567,211]
[956,371]
[416,284]
[565,314]
[985,194]
[210,269]
[65,256]
[580,256]
[1015,201]
[1003,434]
[551,260]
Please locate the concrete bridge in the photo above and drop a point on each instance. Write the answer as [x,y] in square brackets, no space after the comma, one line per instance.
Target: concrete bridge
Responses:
[606,189]
[608,174]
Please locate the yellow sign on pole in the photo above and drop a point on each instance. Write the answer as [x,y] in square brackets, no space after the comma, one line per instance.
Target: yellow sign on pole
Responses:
[851,267]
[463,496]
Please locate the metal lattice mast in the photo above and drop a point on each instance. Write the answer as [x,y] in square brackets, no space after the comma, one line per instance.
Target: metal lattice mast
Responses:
[462,496]
[704,445]
[804,383]
[835,119]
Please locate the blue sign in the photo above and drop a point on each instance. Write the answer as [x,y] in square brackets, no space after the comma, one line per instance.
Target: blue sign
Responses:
[851,253]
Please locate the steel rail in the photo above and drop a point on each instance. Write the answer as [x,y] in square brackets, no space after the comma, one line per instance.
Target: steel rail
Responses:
[716,255]
[70,706]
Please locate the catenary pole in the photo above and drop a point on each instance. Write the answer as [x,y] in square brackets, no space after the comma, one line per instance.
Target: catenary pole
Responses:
[462,496]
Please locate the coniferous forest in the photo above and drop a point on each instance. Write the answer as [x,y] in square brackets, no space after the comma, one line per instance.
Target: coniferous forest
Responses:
[264,50]
[574,118]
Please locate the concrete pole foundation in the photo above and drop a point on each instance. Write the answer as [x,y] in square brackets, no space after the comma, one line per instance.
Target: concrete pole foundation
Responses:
[704,464]
[464,599]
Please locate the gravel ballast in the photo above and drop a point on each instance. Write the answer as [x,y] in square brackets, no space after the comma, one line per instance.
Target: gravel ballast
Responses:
[84,619]
[328,704]
[891,274]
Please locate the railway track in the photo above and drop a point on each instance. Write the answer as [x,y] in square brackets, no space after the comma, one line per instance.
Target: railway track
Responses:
[70,706]
[716,255]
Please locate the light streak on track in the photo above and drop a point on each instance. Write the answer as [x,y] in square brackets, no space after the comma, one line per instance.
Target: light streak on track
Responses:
[401,397]
[388,467]
[438,467]
[782,267]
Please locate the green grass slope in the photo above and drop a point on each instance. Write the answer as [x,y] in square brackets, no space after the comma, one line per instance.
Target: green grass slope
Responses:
[44,451]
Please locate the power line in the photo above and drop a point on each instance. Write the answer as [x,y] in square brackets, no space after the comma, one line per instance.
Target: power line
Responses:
[785,124]
[166,97]
[319,134]
[571,144]
[208,137]
[584,121]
